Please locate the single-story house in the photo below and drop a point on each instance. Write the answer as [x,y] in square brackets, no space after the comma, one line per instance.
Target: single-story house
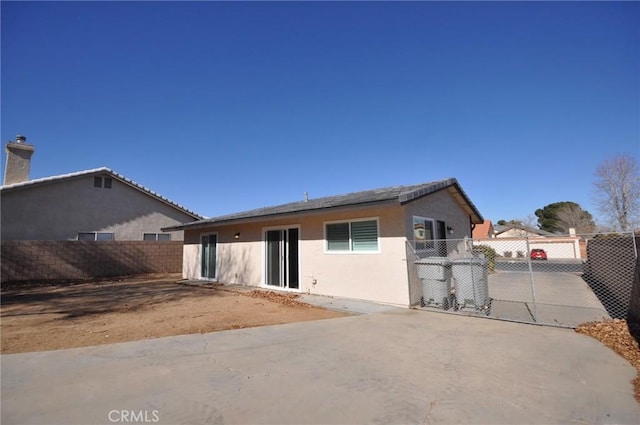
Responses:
[358,245]
[96,204]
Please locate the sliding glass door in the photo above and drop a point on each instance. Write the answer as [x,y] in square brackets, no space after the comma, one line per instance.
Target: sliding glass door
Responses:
[281,249]
[209,245]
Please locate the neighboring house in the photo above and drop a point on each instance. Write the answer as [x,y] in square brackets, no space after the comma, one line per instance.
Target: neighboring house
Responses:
[359,245]
[517,241]
[483,230]
[517,231]
[97,204]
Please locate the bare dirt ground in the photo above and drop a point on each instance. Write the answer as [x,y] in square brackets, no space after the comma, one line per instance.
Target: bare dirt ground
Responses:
[52,317]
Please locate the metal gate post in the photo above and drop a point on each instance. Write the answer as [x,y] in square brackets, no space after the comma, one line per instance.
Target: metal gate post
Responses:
[533,292]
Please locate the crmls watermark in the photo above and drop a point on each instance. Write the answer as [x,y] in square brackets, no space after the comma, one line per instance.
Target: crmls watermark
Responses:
[134,416]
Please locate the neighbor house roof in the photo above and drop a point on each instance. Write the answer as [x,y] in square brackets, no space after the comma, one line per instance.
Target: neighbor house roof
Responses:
[398,194]
[504,228]
[96,171]
[483,230]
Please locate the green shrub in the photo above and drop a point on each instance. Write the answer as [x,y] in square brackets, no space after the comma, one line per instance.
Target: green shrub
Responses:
[489,254]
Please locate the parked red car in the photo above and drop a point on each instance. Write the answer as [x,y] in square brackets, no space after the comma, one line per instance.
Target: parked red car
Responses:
[538,254]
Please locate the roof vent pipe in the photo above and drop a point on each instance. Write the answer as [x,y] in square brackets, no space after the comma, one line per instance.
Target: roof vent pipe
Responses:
[306,197]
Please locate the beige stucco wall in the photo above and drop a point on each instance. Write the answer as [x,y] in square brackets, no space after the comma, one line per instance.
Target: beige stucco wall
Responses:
[381,276]
[59,210]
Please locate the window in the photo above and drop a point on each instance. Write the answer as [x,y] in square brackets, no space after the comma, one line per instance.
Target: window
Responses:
[352,236]
[423,233]
[95,236]
[98,182]
[156,237]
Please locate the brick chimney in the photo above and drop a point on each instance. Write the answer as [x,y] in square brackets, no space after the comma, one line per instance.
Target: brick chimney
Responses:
[18,161]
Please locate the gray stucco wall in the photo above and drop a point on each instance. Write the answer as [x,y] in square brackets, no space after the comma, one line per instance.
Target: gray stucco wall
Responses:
[59,210]
[439,206]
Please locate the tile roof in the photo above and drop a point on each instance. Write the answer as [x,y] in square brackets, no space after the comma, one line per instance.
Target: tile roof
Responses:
[400,194]
[483,230]
[101,170]
[499,228]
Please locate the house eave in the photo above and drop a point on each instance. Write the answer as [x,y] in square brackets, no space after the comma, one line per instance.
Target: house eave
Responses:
[454,189]
[399,195]
[205,224]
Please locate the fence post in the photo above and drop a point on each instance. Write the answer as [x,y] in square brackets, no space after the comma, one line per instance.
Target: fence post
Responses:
[531,282]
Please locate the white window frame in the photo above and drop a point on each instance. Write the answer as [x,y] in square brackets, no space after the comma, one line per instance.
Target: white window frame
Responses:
[155,236]
[350,250]
[201,254]
[263,283]
[95,236]
[102,182]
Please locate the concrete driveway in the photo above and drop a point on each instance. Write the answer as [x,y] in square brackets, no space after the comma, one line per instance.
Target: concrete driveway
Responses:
[557,298]
[397,366]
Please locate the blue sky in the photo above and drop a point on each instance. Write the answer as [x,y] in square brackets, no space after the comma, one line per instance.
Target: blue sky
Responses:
[224,107]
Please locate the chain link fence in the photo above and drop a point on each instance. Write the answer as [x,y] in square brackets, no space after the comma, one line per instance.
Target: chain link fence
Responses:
[560,281]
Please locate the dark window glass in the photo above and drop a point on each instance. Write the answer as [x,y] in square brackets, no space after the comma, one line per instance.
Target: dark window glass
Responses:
[107,182]
[338,237]
[97,182]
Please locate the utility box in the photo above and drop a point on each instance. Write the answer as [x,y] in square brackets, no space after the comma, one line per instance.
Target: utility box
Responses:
[435,274]
[471,285]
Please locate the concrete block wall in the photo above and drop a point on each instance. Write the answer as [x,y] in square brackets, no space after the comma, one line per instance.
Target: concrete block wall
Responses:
[74,260]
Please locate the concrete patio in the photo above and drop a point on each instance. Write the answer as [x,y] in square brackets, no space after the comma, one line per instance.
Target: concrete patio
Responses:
[396,366]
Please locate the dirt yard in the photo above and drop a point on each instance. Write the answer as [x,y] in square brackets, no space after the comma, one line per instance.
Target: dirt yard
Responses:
[52,317]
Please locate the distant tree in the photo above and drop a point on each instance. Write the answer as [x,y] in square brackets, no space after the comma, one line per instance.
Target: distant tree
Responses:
[509,223]
[529,221]
[559,217]
[617,191]
[572,216]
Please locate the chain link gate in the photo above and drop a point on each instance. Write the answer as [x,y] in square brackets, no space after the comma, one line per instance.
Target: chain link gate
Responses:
[559,280]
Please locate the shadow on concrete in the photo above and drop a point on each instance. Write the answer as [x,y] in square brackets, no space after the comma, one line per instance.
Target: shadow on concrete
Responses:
[614,303]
